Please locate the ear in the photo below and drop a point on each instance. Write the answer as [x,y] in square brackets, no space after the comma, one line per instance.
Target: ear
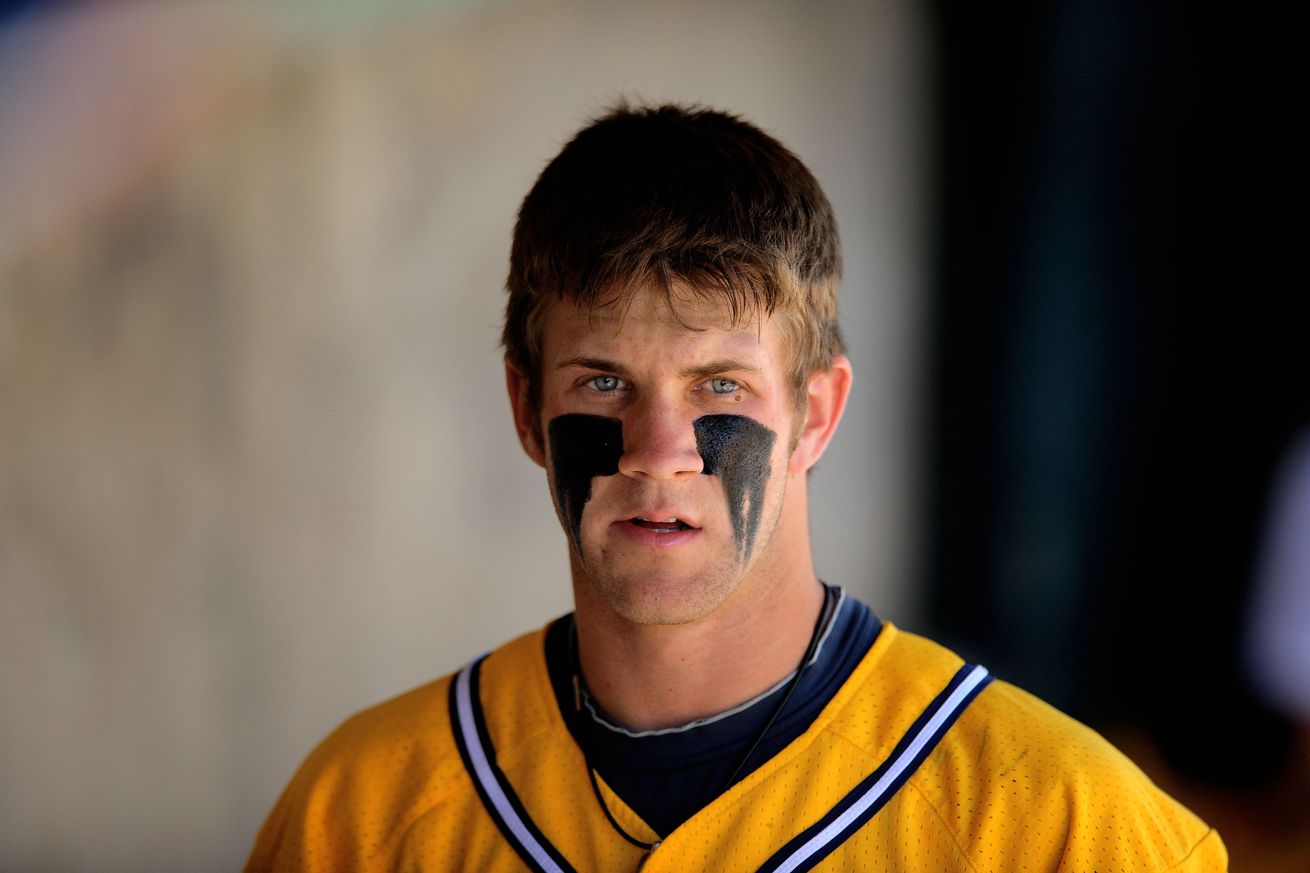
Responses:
[526,421]
[826,400]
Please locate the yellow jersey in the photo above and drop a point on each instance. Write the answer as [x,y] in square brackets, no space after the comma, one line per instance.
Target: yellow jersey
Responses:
[918,762]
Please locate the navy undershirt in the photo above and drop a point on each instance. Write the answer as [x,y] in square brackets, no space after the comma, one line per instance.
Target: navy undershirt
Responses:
[667,776]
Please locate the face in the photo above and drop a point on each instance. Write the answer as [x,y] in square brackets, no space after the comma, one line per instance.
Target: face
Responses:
[669,453]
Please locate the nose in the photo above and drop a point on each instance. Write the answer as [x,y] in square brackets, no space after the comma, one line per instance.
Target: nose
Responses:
[658,442]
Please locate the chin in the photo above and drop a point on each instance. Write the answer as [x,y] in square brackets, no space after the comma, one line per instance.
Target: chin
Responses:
[663,598]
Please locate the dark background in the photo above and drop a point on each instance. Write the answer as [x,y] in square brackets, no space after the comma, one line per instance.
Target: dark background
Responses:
[1119,359]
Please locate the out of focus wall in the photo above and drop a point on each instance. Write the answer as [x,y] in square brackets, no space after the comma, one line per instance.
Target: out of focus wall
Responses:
[256,466]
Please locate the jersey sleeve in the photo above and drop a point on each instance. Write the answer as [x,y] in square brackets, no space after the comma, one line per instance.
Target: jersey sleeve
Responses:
[1022,786]
[357,794]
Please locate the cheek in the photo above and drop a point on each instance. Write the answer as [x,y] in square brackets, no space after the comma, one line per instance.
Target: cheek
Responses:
[734,445]
[738,450]
[582,447]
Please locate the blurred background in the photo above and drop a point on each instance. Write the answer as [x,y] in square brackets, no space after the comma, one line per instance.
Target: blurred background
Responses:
[257,470]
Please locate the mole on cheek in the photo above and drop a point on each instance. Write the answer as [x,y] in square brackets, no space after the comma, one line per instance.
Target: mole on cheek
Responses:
[737,449]
[582,447]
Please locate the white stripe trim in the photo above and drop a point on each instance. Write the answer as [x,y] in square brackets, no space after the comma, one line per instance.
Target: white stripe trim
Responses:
[483,773]
[879,788]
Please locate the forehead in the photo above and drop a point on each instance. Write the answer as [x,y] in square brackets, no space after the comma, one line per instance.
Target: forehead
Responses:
[648,322]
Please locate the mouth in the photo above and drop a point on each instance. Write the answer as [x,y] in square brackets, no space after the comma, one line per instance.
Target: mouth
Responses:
[662,526]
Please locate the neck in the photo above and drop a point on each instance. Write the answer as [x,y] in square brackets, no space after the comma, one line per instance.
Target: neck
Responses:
[657,676]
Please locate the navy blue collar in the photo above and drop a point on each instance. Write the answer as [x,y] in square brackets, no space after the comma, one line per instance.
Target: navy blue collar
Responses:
[665,776]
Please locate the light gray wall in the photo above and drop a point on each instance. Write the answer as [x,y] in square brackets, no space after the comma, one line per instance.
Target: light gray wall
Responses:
[257,468]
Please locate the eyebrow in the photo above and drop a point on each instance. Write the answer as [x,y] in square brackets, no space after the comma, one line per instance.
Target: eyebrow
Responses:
[595,364]
[720,365]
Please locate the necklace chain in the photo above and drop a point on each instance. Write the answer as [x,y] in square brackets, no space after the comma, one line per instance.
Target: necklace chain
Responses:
[579,690]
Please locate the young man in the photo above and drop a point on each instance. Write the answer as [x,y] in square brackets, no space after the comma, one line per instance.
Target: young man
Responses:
[674,363]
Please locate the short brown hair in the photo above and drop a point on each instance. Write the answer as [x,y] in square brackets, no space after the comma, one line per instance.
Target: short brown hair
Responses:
[652,196]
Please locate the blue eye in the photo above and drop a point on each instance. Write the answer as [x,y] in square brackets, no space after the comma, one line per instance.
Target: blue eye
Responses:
[723,386]
[606,384]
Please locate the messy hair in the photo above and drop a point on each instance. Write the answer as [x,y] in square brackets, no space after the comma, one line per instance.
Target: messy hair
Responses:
[688,202]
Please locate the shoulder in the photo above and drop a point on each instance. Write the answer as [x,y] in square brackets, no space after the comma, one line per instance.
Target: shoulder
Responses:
[359,791]
[1014,778]
[370,751]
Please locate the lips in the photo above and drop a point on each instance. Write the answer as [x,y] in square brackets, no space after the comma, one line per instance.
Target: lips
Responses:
[667,525]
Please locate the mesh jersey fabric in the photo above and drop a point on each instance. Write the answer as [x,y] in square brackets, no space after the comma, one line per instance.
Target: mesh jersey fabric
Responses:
[1013,785]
